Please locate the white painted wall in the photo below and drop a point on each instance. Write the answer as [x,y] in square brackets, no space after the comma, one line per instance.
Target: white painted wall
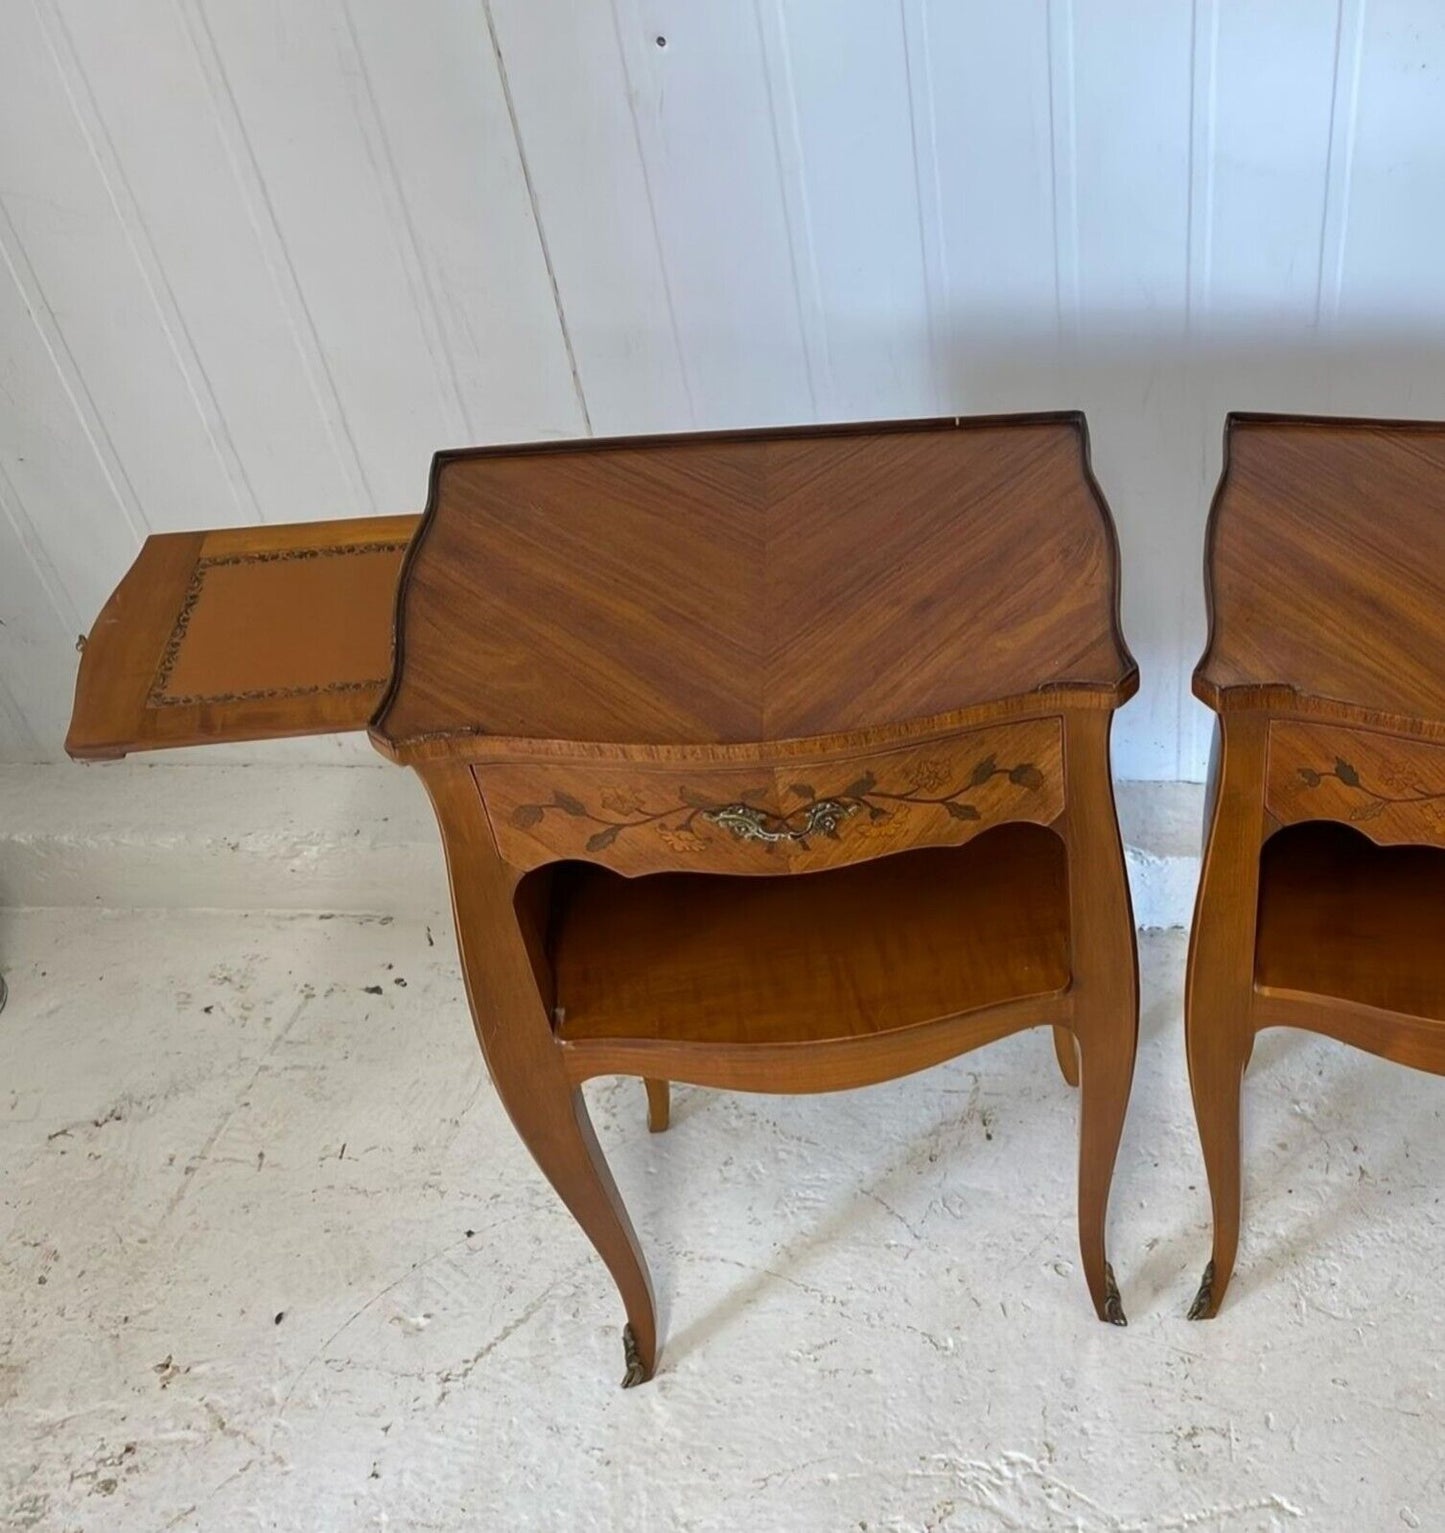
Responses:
[261,257]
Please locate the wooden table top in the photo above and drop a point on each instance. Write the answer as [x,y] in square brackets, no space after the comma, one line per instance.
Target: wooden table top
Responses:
[755,586]
[1326,568]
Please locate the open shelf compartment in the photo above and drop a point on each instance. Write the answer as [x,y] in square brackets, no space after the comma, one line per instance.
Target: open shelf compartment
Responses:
[878,946]
[1344,918]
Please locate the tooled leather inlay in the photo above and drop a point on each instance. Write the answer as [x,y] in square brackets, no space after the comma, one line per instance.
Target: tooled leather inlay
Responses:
[325,601]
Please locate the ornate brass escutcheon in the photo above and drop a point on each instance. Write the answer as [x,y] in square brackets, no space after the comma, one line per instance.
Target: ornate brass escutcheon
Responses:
[749,824]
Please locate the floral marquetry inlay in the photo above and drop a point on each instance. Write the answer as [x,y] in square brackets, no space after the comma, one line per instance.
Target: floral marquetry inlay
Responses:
[1392,787]
[939,794]
[620,811]
[1372,801]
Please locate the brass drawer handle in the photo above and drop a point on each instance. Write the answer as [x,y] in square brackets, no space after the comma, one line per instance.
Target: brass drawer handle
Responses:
[749,824]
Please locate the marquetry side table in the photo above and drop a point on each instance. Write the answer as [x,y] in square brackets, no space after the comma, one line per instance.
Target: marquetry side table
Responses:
[1322,898]
[770,761]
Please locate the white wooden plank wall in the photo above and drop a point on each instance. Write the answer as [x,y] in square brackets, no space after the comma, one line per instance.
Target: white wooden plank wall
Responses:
[261,257]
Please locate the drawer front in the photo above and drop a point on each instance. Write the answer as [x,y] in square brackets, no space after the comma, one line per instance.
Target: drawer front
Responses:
[1390,787]
[795,816]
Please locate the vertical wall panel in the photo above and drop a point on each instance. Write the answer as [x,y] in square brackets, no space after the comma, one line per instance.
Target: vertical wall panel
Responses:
[1267,101]
[46,463]
[652,140]
[1389,264]
[707,128]
[455,182]
[69,225]
[203,224]
[839,88]
[1384,300]
[311,120]
[1382,312]
[1132,91]
[37,656]
[578,136]
[981,75]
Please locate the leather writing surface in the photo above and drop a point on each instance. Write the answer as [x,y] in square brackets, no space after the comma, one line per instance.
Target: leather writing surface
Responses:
[236,636]
[251,633]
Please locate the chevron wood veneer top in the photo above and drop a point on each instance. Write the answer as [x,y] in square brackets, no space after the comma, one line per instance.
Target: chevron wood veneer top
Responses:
[1326,569]
[756,586]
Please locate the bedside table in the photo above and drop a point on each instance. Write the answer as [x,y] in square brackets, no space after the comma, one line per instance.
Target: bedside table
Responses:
[770,761]
[1322,897]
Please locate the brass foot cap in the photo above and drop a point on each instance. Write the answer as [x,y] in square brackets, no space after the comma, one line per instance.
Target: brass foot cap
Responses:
[1203,1305]
[636,1373]
[1113,1307]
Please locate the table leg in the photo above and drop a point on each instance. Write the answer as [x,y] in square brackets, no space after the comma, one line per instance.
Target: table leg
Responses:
[1107,1073]
[509,986]
[659,1106]
[1219,988]
[552,1119]
[1104,991]
[1067,1054]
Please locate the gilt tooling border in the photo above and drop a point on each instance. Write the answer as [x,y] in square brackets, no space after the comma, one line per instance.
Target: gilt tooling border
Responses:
[160,698]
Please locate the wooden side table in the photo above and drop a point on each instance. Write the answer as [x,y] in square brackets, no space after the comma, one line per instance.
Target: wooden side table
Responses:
[1322,897]
[772,761]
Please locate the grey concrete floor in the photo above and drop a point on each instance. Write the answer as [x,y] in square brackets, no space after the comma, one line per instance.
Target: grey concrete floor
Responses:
[271,1257]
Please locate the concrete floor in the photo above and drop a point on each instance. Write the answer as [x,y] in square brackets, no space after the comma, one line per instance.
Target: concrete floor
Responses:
[271,1257]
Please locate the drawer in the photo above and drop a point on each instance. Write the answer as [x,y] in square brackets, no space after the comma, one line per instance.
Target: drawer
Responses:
[798,815]
[1390,786]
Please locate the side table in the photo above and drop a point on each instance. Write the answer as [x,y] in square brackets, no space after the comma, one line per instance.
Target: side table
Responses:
[1322,897]
[771,761]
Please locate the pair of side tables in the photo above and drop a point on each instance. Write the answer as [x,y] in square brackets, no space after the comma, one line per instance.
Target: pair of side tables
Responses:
[779,761]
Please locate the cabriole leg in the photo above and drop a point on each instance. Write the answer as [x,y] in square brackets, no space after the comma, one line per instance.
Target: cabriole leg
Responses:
[553,1122]
[509,985]
[1105,990]
[1067,1054]
[1107,1071]
[1216,1076]
[1219,986]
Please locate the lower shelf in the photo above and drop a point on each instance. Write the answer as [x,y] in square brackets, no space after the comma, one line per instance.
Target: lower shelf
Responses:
[811,957]
[1343,918]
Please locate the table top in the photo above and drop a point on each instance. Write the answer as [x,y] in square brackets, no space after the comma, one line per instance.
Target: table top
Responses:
[754,586]
[1326,568]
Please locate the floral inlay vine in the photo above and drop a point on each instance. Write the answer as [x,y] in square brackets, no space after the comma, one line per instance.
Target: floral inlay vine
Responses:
[747,819]
[1376,803]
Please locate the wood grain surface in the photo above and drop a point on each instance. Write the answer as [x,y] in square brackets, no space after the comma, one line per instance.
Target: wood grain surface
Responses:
[797,816]
[757,586]
[1326,568]
[1391,787]
[872,948]
[1342,918]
